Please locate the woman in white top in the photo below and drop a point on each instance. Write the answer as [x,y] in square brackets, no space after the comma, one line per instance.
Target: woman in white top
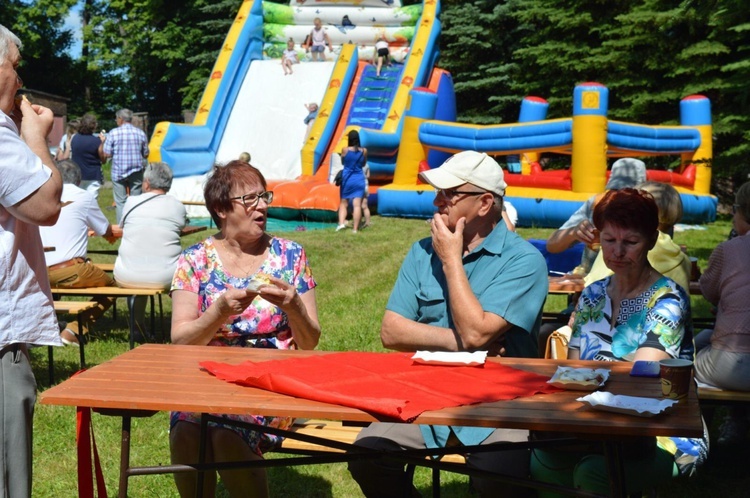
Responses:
[381,53]
[151,226]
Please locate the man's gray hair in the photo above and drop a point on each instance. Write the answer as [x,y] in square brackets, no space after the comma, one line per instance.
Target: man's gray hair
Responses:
[497,207]
[159,175]
[125,114]
[6,39]
[69,171]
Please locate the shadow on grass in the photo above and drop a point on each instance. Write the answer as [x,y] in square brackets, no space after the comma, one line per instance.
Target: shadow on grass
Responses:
[63,367]
[288,481]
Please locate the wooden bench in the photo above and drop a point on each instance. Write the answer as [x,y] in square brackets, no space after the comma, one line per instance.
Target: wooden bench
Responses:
[108,267]
[336,431]
[710,398]
[72,308]
[117,292]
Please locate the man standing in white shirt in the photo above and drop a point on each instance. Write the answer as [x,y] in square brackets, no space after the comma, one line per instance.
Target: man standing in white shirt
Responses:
[29,196]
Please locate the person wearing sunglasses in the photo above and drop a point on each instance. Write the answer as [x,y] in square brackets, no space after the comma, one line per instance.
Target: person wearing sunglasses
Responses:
[473,285]
[240,288]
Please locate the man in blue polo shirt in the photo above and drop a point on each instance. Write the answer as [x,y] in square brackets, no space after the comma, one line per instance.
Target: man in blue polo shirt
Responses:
[473,285]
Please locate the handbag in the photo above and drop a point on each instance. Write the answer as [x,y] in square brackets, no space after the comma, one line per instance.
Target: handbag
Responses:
[338,178]
[557,344]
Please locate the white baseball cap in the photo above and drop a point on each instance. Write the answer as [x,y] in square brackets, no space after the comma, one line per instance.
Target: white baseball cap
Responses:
[469,166]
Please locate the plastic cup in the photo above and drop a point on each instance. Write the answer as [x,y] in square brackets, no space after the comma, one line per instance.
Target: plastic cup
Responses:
[675,375]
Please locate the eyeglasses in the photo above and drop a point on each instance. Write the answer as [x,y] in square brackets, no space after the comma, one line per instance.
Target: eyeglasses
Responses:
[450,193]
[735,208]
[252,200]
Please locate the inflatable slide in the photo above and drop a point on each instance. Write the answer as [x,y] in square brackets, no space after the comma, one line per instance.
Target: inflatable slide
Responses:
[251,105]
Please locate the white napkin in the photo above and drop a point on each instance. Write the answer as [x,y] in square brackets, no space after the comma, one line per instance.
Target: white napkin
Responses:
[634,405]
[461,358]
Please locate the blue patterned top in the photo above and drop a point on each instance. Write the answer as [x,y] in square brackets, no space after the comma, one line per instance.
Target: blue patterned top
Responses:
[657,318]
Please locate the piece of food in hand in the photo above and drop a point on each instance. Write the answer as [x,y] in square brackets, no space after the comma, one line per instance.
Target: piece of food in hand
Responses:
[258,281]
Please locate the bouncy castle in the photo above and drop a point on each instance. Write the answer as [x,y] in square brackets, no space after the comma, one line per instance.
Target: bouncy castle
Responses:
[548,198]
[406,119]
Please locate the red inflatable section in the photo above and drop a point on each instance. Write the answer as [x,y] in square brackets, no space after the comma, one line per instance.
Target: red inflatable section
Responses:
[684,179]
[555,179]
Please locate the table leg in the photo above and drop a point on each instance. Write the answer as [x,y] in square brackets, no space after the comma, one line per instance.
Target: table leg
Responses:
[124,457]
[202,456]
[615,468]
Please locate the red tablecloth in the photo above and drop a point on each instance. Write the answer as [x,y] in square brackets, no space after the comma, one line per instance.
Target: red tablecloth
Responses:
[386,384]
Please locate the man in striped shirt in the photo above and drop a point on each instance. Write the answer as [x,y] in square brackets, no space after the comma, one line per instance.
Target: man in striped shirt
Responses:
[128,147]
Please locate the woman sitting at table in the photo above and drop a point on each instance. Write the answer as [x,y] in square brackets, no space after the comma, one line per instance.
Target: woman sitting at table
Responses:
[725,362]
[151,225]
[213,305]
[635,314]
[666,257]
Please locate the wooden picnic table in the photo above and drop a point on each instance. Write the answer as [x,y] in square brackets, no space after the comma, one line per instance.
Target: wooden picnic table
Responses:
[124,386]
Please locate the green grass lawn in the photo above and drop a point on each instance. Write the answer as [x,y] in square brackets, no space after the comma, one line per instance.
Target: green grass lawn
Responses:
[355,274]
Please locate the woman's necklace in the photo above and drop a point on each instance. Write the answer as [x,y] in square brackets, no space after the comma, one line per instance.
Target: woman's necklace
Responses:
[643,285]
[235,261]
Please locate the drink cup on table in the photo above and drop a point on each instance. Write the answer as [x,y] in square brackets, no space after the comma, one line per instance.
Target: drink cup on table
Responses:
[675,375]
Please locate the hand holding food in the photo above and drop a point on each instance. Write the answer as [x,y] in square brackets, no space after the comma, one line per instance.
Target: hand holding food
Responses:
[35,121]
[257,282]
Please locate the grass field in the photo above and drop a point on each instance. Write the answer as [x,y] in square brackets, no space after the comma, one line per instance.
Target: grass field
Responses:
[355,274]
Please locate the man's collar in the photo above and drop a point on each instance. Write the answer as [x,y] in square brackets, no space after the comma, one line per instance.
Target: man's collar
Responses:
[495,241]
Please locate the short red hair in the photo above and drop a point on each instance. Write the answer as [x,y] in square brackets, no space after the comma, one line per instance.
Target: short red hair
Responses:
[218,190]
[628,208]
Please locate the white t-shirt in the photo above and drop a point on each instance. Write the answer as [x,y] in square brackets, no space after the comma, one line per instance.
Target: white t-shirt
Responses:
[150,241]
[291,55]
[381,44]
[70,235]
[26,311]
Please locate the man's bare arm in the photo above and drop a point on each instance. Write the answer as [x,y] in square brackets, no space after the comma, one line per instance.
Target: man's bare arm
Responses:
[41,207]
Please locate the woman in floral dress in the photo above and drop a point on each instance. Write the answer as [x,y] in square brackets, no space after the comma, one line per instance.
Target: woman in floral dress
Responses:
[213,305]
[635,314]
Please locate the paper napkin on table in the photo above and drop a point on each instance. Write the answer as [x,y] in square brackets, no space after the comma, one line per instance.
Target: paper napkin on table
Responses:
[461,358]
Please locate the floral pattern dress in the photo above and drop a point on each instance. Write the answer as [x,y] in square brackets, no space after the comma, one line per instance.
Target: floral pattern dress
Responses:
[657,318]
[261,325]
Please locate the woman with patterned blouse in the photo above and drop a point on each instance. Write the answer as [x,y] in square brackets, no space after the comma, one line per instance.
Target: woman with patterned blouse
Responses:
[635,314]
[216,303]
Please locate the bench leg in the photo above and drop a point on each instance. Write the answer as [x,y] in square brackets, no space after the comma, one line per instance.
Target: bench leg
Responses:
[153,315]
[161,322]
[131,321]
[83,329]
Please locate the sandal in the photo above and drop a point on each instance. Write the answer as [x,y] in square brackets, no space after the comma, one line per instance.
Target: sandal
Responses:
[69,338]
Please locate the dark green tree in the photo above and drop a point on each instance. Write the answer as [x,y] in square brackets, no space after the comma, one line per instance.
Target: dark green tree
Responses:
[46,65]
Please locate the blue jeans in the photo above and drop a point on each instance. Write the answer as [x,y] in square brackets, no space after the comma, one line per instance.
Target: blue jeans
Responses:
[120,192]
